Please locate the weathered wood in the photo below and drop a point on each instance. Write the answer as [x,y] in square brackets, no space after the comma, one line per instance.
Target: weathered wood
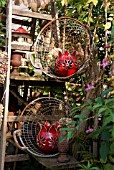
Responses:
[4,125]
[31,14]
[16,95]
[13,118]
[16,21]
[53,164]
[21,47]
[40,117]
[33,26]
[34,81]
[18,157]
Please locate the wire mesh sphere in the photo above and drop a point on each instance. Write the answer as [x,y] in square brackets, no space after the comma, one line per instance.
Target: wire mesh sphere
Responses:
[62,48]
[41,110]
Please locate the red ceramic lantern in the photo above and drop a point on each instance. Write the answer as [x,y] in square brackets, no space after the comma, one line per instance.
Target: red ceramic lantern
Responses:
[47,137]
[66,64]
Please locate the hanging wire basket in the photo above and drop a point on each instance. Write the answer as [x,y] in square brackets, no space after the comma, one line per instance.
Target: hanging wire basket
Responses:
[66,37]
[40,110]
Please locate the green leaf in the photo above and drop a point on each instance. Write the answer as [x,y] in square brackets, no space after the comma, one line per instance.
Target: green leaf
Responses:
[63,138]
[105,92]
[107,26]
[80,116]
[95,2]
[111,40]
[72,123]
[112,31]
[109,167]
[97,106]
[58,90]
[70,134]
[109,101]
[64,2]
[89,101]
[113,132]
[102,110]
[105,135]
[110,18]
[112,147]
[104,149]
[111,158]
[84,105]
[107,120]
[99,100]
[74,110]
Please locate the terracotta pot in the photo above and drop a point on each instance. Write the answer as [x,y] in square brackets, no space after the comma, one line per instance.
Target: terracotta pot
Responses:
[63,148]
[10,113]
[15,62]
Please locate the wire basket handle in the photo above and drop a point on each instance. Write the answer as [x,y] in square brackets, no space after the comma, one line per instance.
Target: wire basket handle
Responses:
[15,133]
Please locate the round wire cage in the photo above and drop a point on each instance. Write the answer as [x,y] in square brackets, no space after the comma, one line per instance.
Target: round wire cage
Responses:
[39,110]
[60,35]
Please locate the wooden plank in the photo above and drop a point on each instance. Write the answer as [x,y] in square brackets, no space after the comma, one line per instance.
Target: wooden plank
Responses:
[21,22]
[6,100]
[21,47]
[31,14]
[16,21]
[13,118]
[40,117]
[35,82]
[53,164]
[15,158]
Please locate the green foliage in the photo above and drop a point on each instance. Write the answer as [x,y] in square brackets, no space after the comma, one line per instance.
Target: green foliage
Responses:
[2,33]
[2,3]
[103,108]
[89,166]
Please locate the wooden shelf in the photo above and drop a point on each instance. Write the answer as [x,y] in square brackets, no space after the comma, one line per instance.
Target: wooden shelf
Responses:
[31,14]
[19,157]
[13,118]
[53,164]
[34,81]
[21,47]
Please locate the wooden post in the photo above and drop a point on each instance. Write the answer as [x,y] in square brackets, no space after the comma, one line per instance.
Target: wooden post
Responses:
[7,83]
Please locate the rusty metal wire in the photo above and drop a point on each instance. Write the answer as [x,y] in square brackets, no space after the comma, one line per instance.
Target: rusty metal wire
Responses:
[40,110]
[62,34]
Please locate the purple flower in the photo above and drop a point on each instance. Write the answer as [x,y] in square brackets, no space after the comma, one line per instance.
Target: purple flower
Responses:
[89,87]
[104,63]
[107,46]
[89,130]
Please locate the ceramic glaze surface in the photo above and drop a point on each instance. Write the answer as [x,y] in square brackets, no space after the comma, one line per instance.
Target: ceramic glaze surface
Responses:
[66,64]
[47,138]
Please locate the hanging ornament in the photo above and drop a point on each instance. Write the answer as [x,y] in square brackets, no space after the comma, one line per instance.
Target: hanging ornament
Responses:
[66,64]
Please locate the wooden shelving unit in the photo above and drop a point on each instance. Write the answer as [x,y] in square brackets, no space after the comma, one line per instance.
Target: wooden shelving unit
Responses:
[15,81]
